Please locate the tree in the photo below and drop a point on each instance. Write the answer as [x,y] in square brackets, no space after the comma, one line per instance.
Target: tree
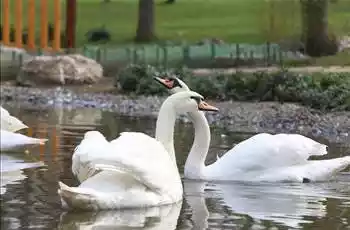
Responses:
[318,42]
[145,27]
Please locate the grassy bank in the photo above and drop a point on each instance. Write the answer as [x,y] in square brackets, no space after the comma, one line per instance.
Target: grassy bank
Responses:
[239,21]
[323,91]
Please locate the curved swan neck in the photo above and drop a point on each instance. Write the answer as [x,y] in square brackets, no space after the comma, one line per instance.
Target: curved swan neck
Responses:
[195,163]
[165,127]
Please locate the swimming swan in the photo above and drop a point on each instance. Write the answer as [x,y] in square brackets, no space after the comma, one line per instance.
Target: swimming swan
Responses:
[134,170]
[263,157]
[10,123]
[10,140]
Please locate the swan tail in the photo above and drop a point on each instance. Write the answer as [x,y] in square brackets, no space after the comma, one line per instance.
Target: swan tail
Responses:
[38,141]
[318,149]
[76,198]
[321,170]
[12,124]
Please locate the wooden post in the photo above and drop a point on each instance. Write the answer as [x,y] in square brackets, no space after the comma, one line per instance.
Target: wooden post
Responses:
[71,10]
[18,23]
[31,24]
[6,22]
[57,25]
[43,24]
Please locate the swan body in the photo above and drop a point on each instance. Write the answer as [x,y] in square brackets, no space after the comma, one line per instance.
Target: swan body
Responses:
[262,157]
[10,140]
[10,123]
[134,170]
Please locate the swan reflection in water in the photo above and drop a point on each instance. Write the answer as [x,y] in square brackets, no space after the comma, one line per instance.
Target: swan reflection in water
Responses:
[162,217]
[284,204]
[11,169]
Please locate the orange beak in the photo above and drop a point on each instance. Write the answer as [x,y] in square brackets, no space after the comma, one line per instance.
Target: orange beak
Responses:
[204,106]
[166,82]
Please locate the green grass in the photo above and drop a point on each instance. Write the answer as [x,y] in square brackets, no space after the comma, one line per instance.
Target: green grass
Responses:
[235,21]
[340,59]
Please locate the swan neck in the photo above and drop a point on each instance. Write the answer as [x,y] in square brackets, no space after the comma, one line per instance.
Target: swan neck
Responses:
[165,127]
[195,163]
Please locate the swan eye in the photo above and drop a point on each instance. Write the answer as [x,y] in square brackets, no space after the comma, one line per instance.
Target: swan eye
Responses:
[177,83]
[197,99]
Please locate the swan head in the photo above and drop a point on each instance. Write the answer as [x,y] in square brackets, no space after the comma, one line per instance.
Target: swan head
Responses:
[173,84]
[190,101]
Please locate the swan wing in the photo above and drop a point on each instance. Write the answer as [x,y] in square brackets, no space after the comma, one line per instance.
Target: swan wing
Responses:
[85,152]
[145,158]
[4,112]
[265,151]
[10,123]
[136,154]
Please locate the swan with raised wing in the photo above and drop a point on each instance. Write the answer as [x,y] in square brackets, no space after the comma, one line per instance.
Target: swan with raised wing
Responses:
[134,170]
[10,123]
[262,157]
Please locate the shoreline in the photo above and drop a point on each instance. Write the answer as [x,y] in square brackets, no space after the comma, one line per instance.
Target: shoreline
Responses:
[233,116]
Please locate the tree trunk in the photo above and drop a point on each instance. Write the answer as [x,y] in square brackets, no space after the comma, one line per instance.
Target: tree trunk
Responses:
[145,27]
[315,29]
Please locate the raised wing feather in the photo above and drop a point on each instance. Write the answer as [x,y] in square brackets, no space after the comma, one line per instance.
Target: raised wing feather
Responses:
[146,159]
[85,152]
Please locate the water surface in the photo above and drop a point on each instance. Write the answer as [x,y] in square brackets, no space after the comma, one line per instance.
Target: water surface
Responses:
[29,197]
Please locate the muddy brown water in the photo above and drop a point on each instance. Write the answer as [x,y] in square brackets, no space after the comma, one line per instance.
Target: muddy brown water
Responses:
[29,197]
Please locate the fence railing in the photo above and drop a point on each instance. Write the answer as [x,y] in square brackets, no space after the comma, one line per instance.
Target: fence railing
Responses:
[208,55]
[19,38]
[193,55]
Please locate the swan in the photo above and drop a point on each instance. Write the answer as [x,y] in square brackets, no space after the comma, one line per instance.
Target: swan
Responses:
[10,123]
[10,140]
[262,157]
[134,170]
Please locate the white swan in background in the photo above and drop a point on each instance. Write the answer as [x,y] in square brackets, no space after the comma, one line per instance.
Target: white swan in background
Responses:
[134,170]
[10,140]
[10,123]
[263,157]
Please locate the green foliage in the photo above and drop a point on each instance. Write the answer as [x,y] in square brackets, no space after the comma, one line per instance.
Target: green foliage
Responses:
[323,91]
[139,80]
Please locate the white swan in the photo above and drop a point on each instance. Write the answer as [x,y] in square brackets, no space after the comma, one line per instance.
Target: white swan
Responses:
[10,123]
[134,170]
[10,140]
[263,157]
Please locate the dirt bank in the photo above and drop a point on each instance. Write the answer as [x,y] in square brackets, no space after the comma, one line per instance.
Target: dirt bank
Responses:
[233,116]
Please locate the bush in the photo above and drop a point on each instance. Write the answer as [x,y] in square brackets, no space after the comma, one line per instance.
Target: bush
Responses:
[320,91]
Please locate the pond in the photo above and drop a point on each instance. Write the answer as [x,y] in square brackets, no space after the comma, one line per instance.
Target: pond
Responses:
[29,198]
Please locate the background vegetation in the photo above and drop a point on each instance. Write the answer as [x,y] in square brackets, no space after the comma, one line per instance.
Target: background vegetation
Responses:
[320,91]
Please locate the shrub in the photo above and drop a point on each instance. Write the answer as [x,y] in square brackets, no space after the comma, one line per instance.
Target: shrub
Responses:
[320,91]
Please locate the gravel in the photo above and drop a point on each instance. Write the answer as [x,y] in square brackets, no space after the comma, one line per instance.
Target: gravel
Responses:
[234,116]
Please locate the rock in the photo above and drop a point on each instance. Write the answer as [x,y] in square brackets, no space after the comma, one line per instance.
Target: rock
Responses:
[63,69]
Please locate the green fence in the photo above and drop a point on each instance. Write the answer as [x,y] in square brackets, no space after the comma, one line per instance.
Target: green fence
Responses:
[209,55]
[191,55]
